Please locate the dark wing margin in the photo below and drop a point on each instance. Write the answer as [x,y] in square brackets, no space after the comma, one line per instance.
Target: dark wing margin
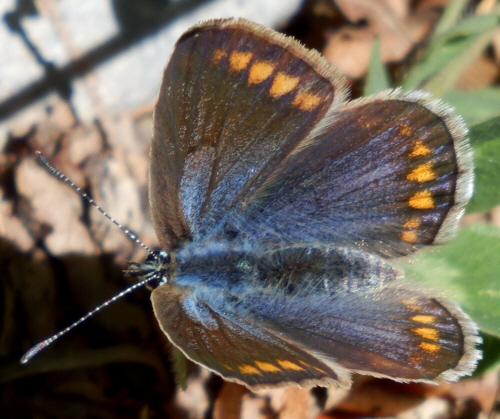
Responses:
[235,100]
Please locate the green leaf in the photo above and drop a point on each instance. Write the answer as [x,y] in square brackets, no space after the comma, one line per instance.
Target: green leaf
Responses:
[449,54]
[446,78]
[430,65]
[472,25]
[451,14]
[475,106]
[485,139]
[491,355]
[484,131]
[378,78]
[466,270]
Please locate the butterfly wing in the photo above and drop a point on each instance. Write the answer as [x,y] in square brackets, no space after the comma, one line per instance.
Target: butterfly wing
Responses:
[236,98]
[398,333]
[252,140]
[283,329]
[310,317]
[389,173]
[235,347]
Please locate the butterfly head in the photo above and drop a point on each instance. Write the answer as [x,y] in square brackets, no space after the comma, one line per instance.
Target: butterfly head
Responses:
[158,268]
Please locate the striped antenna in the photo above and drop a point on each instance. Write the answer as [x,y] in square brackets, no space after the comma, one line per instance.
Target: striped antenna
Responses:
[42,345]
[61,176]
[151,270]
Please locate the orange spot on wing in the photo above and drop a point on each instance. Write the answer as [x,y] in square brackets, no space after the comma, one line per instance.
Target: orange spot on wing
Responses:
[267,366]
[422,173]
[239,60]
[282,84]
[429,347]
[260,71]
[409,236]
[413,223]
[313,367]
[415,360]
[289,365]
[219,54]
[427,333]
[249,369]
[411,305]
[421,200]
[365,122]
[424,318]
[306,101]
[419,149]
[405,130]
[227,367]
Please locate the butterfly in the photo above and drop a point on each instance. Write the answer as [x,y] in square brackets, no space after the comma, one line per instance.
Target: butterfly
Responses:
[280,205]
[281,208]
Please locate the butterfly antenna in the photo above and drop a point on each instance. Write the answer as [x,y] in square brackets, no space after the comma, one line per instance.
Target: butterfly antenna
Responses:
[148,277]
[42,345]
[61,176]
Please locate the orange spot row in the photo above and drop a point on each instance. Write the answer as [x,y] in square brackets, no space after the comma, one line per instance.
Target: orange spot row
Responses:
[260,71]
[365,122]
[413,223]
[411,234]
[248,369]
[422,200]
[306,101]
[288,365]
[261,366]
[219,54]
[267,366]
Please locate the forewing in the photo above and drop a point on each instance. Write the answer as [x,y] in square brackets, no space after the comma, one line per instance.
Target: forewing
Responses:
[235,99]
[388,173]
[213,333]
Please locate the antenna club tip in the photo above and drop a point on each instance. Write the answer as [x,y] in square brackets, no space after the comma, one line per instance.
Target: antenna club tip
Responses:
[33,351]
[41,157]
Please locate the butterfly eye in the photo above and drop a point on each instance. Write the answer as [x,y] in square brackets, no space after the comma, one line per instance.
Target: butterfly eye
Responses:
[159,265]
[161,256]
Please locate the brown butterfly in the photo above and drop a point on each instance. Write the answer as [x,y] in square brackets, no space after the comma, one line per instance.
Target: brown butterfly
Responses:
[280,206]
